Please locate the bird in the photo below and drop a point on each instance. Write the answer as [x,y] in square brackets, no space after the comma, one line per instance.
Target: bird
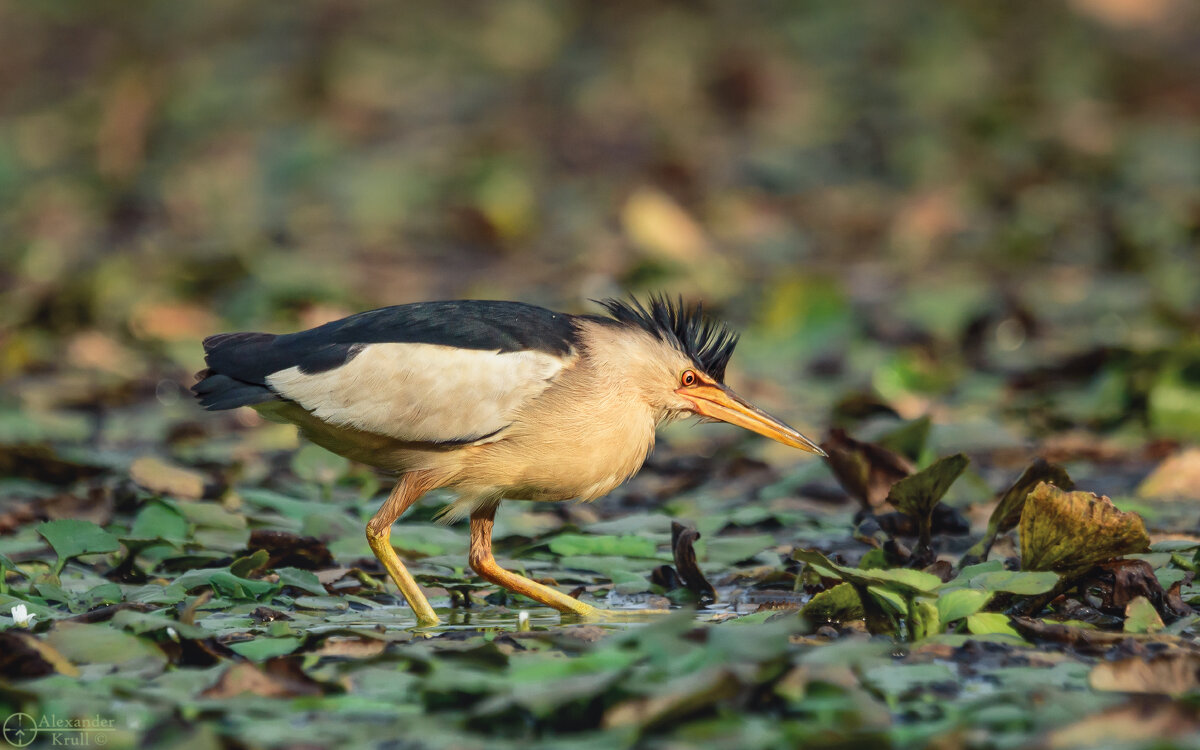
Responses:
[496,400]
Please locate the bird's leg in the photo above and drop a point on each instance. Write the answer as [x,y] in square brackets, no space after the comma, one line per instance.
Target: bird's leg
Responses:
[379,535]
[485,565]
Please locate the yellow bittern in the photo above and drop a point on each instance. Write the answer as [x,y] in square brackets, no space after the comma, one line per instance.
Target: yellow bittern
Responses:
[497,400]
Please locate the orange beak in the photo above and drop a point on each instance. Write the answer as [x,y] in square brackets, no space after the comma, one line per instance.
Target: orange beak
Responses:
[721,403]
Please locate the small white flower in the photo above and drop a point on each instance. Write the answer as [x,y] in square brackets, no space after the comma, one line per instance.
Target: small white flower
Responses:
[172,634]
[522,620]
[22,616]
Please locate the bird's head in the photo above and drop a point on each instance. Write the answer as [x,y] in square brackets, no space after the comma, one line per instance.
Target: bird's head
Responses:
[684,360]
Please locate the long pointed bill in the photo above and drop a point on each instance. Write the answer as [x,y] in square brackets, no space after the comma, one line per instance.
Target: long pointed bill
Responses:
[719,402]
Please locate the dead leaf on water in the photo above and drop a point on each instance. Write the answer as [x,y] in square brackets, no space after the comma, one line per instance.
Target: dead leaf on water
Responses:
[1069,532]
[280,677]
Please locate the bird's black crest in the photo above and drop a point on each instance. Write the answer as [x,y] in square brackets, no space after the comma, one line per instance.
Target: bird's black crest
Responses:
[709,343]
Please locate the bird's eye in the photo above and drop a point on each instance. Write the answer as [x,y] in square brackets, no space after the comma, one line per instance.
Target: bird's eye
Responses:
[689,378]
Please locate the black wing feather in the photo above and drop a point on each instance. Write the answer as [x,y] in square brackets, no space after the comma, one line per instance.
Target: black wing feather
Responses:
[239,363]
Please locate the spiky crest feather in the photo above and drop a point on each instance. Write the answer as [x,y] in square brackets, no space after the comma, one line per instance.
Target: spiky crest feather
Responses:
[708,343]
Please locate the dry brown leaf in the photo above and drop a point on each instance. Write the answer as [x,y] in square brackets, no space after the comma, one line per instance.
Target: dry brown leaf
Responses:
[1142,719]
[23,655]
[277,678]
[1177,478]
[1088,641]
[1069,532]
[1170,674]
[658,224]
[156,475]
[683,539]
[865,470]
[699,692]
[351,647]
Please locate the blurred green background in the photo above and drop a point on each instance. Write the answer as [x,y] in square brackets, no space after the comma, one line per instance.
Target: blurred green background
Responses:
[883,194]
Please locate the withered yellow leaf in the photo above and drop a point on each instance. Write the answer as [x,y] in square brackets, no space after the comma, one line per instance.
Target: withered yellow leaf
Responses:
[1071,531]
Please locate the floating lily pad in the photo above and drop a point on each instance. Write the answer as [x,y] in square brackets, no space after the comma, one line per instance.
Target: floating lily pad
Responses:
[261,649]
[159,522]
[600,544]
[72,537]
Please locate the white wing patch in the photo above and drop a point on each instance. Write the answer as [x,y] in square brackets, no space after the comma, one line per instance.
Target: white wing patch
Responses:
[423,392]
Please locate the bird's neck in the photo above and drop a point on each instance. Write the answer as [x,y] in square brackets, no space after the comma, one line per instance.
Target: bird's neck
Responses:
[581,438]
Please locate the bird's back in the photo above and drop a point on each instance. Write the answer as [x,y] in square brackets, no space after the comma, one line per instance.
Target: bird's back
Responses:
[442,373]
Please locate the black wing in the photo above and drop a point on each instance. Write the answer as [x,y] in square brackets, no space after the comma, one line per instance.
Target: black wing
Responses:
[240,363]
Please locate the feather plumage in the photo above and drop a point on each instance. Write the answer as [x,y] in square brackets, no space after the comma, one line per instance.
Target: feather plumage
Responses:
[708,343]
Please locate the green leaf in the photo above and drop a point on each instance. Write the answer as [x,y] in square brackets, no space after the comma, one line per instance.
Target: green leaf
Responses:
[244,567]
[897,679]
[837,604]
[1174,403]
[621,546]
[6,565]
[100,644]
[903,580]
[305,580]
[227,584]
[159,521]
[924,619]
[72,537]
[727,550]
[1071,531]
[153,622]
[961,603]
[990,623]
[105,593]
[1141,617]
[261,649]
[1021,582]
[916,496]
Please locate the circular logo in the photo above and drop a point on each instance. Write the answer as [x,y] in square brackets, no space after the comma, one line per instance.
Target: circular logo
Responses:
[20,730]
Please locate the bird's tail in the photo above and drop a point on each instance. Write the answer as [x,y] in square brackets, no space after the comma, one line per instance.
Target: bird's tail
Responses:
[227,383]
